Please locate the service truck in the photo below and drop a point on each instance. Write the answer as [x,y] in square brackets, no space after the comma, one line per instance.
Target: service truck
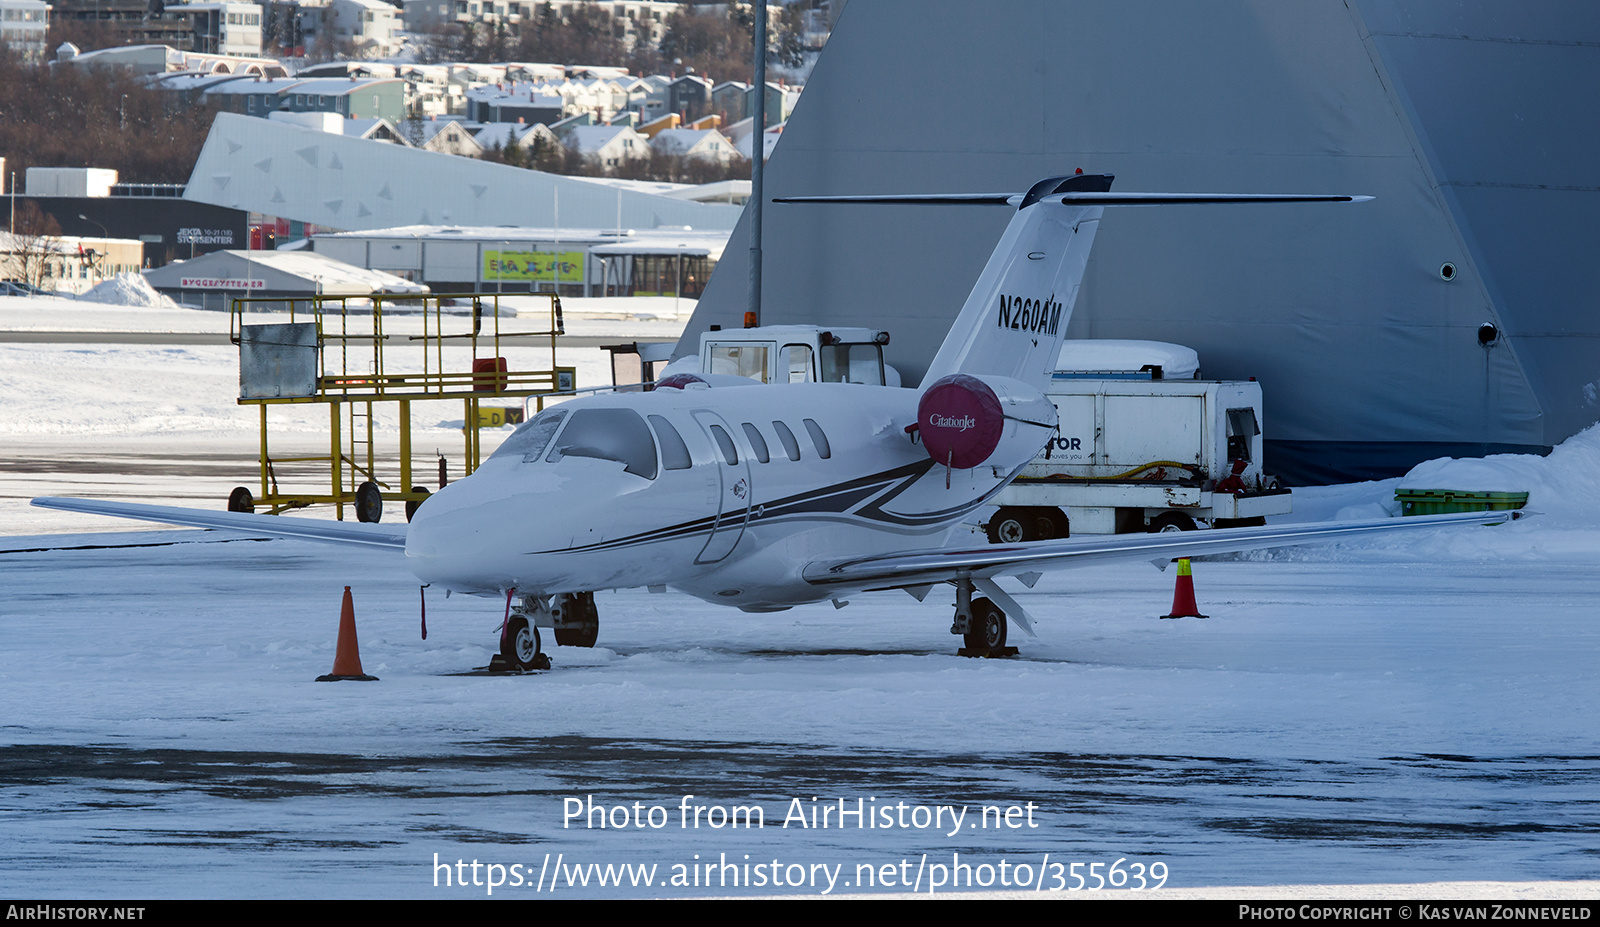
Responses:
[1141,444]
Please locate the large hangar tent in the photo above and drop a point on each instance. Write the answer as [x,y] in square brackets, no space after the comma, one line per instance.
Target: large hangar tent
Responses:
[1365,324]
[211,281]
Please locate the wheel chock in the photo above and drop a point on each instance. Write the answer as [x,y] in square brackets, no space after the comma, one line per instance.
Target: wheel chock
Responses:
[1183,603]
[991,652]
[347,659]
[499,664]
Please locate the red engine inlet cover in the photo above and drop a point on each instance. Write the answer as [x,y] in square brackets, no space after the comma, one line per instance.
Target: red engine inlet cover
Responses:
[960,421]
[677,381]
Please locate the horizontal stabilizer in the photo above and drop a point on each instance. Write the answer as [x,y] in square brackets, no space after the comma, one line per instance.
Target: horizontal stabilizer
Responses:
[278,526]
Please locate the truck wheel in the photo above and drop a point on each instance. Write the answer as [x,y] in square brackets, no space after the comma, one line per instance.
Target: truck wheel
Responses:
[1009,526]
[1046,524]
[1171,521]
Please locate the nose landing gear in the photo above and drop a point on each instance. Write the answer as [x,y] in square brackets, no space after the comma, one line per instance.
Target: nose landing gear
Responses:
[572,616]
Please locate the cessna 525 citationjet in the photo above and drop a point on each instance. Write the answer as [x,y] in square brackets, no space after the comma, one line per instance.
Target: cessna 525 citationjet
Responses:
[763,497]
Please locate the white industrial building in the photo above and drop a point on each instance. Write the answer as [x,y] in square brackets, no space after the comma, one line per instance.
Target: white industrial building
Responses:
[23,27]
[569,261]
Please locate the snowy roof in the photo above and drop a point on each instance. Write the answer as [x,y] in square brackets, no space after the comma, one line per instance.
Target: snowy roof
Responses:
[685,140]
[593,138]
[1096,354]
[282,270]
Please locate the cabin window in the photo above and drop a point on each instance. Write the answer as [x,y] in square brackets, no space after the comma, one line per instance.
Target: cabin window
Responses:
[818,439]
[852,363]
[532,437]
[609,434]
[758,444]
[790,445]
[674,453]
[729,452]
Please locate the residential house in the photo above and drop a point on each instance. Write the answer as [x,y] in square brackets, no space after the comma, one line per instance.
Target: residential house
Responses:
[702,144]
[610,146]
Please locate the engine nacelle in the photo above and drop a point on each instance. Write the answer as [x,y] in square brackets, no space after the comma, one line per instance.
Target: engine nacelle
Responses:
[971,420]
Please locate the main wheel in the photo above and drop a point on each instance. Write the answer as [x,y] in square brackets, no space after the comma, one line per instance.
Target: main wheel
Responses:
[413,504]
[1008,526]
[1171,521]
[241,500]
[520,644]
[986,629]
[584,612]
[369,503]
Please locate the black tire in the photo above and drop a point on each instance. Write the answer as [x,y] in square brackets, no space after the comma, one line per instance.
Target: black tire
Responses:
[986,629]
[1045,524]
[520,645]
[241,500]
[369,503]
[413,504]
[589,631]
[1009,526]
[1171,521]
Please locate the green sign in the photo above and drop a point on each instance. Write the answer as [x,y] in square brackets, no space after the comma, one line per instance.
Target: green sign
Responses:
[565,267]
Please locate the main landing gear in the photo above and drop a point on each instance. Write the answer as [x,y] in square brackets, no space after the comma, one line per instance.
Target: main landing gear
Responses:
[572,616]
[981,623]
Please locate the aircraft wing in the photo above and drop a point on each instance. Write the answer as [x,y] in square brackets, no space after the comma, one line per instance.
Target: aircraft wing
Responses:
[278,526]
[917,567]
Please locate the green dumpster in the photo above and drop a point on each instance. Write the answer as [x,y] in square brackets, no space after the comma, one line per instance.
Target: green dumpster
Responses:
[1442,501]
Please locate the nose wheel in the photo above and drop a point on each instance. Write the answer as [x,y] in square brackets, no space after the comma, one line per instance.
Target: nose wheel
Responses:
[520,646]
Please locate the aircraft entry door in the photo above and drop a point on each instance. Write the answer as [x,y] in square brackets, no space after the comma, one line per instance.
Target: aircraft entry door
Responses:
[731,485]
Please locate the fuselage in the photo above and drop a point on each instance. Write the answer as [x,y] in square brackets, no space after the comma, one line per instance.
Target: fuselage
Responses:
[723,493]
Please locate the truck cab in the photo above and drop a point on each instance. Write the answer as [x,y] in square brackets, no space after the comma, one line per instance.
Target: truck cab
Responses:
[798,354]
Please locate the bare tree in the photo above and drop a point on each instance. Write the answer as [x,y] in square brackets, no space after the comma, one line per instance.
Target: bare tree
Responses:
[35,243]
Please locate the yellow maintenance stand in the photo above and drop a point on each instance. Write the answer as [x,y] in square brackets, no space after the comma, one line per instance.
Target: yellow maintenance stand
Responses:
[335,350]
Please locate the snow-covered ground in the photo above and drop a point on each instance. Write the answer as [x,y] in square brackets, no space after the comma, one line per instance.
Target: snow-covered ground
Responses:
[1388,712]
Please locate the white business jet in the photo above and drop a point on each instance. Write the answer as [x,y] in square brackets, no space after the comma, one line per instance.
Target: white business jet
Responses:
[765,497]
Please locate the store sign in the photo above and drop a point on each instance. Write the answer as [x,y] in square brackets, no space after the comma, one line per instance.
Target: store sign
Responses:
[205,236]
[563,267]
[220,283]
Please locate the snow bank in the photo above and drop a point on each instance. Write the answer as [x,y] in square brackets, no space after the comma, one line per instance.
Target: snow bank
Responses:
[128,289]
[1566,483]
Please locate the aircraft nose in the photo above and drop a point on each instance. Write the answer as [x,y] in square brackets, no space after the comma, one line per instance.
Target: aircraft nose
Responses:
[467,535]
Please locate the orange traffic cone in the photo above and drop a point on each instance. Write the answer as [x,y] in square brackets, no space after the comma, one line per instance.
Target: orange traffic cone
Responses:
[1183,604]
[347,661]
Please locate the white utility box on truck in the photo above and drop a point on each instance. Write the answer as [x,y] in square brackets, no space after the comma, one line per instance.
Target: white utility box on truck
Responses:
[1141,445]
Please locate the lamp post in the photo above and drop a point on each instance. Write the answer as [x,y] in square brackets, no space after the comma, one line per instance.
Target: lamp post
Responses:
[106,240]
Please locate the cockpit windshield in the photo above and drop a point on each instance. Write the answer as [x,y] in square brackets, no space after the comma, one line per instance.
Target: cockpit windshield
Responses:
[608,434]
[532,437]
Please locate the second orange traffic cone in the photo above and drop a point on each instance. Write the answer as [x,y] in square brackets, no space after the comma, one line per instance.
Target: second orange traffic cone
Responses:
[1183,603]
[347,659]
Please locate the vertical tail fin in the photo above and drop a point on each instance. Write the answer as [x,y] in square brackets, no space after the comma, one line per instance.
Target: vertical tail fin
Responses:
[1016,316]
